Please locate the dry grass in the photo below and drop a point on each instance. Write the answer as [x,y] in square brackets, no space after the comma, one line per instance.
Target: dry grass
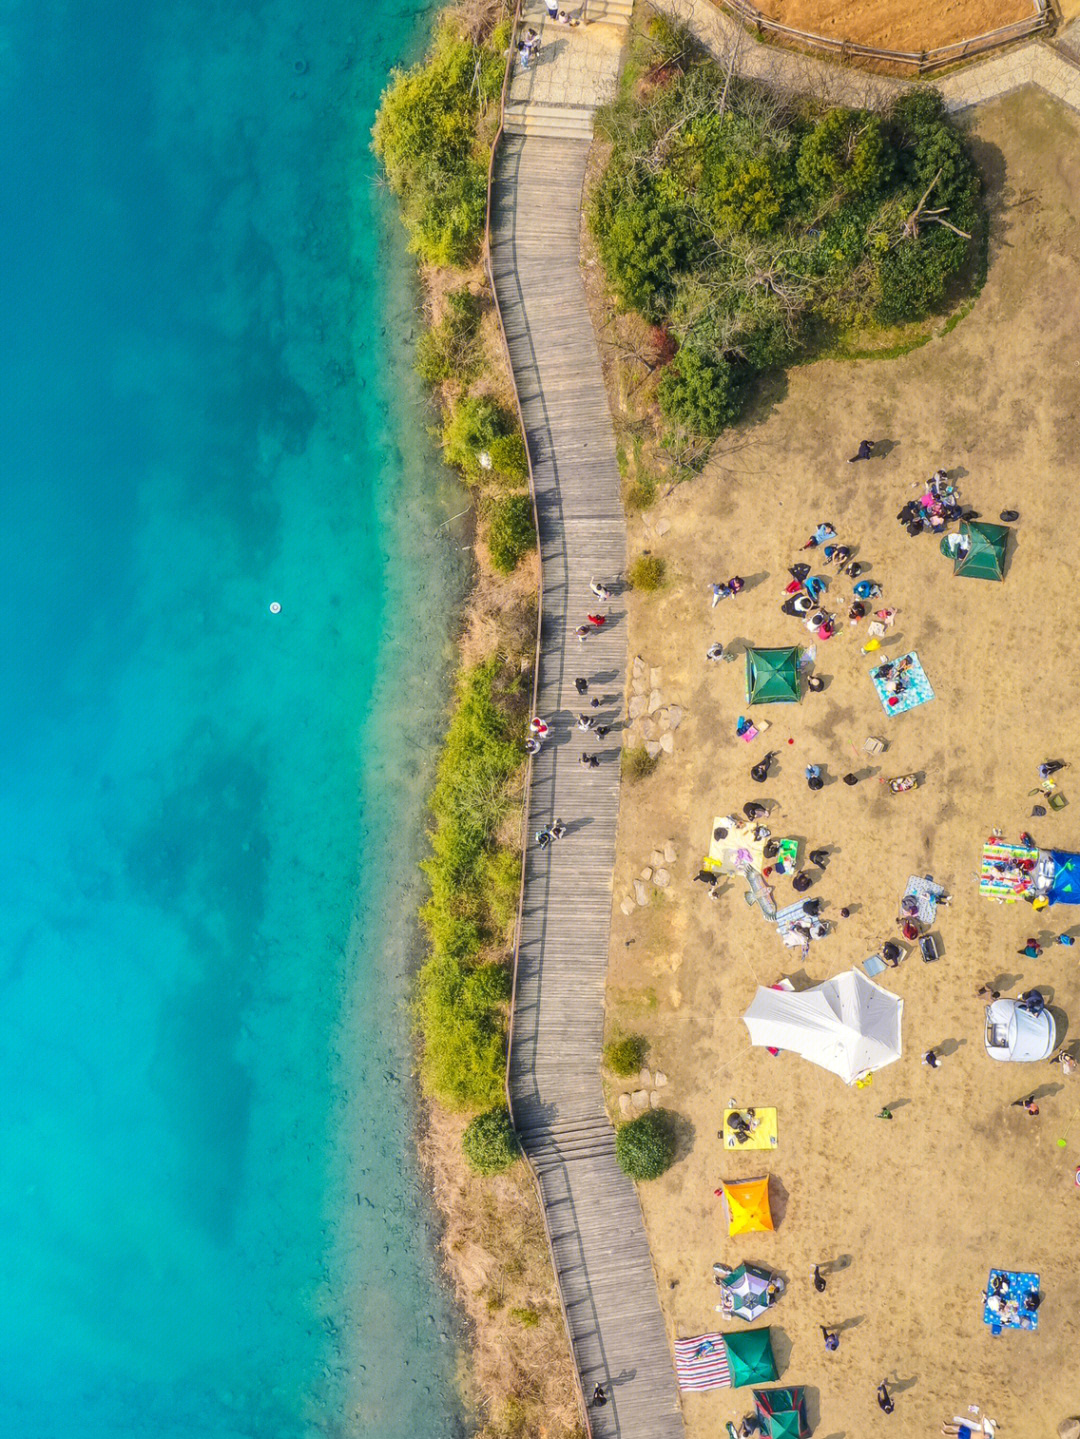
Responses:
[496,1256]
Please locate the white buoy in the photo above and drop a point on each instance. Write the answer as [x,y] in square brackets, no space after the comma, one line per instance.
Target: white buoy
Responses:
[275,608]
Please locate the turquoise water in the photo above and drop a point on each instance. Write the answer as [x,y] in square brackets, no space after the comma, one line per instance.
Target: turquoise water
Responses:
[212,1224]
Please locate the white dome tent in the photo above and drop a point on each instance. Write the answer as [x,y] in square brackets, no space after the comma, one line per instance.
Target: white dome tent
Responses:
[848,1025]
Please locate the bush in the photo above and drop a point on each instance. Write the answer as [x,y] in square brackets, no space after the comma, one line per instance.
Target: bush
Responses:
[647,573]
[638,763]
[461,1015]
[700,393]
[425,134]
[512,533]
[625,1056]
[644,241]
[476,425]
[448,351]
[914,275]
[489,1142]
[645,1146]
[844,154]
[527,1318]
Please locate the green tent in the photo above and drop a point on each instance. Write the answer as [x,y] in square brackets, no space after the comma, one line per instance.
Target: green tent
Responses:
[772,676]
[782,1412]
[750,1357]
[984,555]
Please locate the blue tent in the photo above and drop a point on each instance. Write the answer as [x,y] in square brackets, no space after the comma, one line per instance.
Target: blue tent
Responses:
[1064,876]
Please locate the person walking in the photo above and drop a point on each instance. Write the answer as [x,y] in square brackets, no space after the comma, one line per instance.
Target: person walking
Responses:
[931,1058]
[1028,1105]
[601,592]
[557,830]
[884,1398]
[585,721]
[832,1338]
[597,621]
[552,7]
[1032,949]
[602,731]
[813,777]
[589,761]
[864,452]
[582,633]
[819,857]
[801,883]
[599,1398]
[819,1279]
[582,686]
[719,592]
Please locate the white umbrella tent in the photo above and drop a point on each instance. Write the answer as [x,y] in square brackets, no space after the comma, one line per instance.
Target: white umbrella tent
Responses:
[848,1025]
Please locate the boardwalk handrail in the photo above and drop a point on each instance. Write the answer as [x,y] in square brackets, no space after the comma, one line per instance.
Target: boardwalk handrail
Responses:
[583,1406]
[922,61]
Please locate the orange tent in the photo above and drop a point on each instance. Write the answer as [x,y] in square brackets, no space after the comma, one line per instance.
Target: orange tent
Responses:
[746,1206]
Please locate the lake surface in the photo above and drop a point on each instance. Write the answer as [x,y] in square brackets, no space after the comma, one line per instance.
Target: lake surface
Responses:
[211,813]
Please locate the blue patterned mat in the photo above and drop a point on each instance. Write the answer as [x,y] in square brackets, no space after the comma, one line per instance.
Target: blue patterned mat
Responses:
[1012,1314]
[918,691]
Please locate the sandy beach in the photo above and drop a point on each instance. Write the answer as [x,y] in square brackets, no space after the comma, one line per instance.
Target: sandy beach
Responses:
[909,1215]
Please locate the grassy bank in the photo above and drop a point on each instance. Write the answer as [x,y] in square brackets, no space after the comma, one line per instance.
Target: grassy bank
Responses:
[433,134]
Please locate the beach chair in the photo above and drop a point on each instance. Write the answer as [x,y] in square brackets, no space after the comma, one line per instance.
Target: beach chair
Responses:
[874,745]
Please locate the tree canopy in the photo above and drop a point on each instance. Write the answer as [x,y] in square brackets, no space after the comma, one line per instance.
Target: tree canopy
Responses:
[753,226]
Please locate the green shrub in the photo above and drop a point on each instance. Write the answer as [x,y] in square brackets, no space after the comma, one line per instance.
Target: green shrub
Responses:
[512,534]
[460,1002]
[701,393]
[476,425]
[645,1146]
[625,1056]
[914,275]
[527,1318]
[845,154]
[647,573]
[425,134]
[489,1142]
[638,763]
[448,351]
[644,241]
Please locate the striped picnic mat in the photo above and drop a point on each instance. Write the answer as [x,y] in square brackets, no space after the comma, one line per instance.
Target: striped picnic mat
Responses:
[701,1363]
[997,882]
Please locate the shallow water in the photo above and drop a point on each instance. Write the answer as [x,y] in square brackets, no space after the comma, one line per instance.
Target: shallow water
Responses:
[211,814]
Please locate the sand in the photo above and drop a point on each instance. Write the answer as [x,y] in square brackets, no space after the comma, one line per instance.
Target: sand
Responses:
[910,1213]
[909,25]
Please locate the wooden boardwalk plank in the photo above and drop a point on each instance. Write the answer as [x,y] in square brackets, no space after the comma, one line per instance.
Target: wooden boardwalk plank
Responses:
[601,1255]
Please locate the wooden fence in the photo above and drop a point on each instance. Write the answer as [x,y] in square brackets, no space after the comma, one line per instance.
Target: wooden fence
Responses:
[920,62]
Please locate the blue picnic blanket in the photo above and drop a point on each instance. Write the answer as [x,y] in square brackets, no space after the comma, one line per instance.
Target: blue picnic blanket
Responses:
[927,893]
[917,692]
[1012,1314]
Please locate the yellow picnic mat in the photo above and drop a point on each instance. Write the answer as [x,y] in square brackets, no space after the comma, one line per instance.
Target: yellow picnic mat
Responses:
[763,1135]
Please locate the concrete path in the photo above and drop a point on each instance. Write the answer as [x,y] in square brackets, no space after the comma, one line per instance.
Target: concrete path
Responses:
[576,70]
[1048,64]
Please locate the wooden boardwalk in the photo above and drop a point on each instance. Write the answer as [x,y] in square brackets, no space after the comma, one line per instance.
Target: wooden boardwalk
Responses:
[599,1248]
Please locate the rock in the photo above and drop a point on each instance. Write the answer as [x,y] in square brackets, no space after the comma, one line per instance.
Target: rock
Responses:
[655,678]
[661,879]
[675,716]
[625,1107]
[649,730]
[654,1099]
[641,894]
[656,699]
[667,742]
[638,706]
[646,873]
[652,749]
[638,686]
[640,1099]
[644,1079]
[661,720]
[638,666]
[671,854]
[656,858]
[662,526]
[628,906]
[660,1079]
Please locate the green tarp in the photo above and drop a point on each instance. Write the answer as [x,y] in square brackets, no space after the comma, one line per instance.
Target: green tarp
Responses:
[750,1357]
[782,1412]
[985,555]
[772,676]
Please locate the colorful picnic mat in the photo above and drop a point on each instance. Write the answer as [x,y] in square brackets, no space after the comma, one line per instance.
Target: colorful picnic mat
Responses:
[999,877]
[1012,1314]
[917,692]
[701,1363]
[764,1136]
